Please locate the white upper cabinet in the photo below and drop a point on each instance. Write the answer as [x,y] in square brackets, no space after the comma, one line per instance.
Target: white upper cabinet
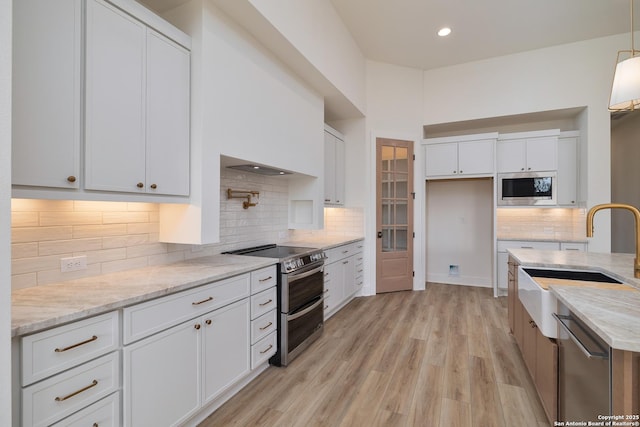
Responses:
[99,65]
[115,82]
[138,80]
[167,107]
[527,154]
[47,37]
[568,169]
[334,167]
[459,156]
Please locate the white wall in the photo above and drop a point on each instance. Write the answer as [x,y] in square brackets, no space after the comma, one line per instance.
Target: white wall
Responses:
[318,33]
[5,206]
[625,176]
[460,231]
[567,76]
[246,105]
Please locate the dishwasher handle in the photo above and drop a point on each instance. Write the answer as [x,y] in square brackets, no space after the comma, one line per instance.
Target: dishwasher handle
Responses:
[590,354]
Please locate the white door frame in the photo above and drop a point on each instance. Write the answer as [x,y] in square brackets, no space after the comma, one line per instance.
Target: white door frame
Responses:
[370,231]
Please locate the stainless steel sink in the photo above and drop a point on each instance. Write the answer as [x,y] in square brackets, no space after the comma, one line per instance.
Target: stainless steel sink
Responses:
[589,276]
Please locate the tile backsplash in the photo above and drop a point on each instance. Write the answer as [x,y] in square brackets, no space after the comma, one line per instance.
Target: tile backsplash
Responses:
[541,223]
[118,236]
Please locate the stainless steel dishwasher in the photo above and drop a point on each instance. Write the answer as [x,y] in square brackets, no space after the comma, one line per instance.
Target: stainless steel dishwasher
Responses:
[584,370]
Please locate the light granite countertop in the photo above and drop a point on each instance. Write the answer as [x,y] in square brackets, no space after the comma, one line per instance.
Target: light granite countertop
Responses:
[613,314]
[41,307]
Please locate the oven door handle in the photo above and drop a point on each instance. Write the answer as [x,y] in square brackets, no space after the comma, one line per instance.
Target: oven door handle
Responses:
[294,277]
[576,340]
[306,310]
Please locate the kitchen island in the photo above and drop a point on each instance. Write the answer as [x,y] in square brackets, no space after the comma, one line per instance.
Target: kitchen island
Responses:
[614,314]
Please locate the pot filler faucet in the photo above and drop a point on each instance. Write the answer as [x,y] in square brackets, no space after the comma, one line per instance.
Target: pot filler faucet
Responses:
[636,214]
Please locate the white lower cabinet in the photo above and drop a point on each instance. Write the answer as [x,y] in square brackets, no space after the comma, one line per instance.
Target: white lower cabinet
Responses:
[343,276]
[67,369]
[193,362]
[162,377]
[104,413]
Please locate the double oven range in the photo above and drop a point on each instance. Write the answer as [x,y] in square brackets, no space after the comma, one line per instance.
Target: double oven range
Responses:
[300,297]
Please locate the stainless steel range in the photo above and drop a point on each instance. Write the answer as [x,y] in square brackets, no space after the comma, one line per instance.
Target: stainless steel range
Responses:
[300,297]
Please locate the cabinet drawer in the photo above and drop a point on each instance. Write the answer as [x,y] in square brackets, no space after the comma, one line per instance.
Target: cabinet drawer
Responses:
[503,245]
[104,413]
[147,318]
[573,246]
[263,302]
[50,400]
[263,350]
[344,251]
[264,325]
[263,279]
[49,352]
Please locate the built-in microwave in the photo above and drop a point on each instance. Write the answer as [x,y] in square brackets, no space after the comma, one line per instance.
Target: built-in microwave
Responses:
[527,189]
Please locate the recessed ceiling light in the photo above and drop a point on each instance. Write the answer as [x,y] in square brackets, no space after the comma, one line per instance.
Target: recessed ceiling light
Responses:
[442,32]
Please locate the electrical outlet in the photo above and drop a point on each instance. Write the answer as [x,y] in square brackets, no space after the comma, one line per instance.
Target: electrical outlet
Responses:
[73,263]
[454,270]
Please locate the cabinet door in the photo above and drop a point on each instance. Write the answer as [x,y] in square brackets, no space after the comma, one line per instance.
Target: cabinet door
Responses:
[511,155]
[329,168]
[46,93]
[225,348]
[115,81]
[546,378]
[340,171]
[349,274]
[475,157]
[567,171]
[542,154]
[529,333]
[167,113]
[441,159]
[162,377]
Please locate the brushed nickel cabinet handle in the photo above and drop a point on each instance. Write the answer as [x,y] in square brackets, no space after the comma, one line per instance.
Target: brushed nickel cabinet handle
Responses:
[197,326]
[95,425]
[71,178]
[268,348]
[208,321]
[153,186]
[139,185]
[345,252]
[266,303]
[345,262]
[265,280]
[266,326]
[61,350]
[69,396]
[202,302]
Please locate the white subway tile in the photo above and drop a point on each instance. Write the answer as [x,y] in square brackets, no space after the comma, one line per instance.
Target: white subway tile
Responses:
[83,231]
[35,264]
[69,218]
[24,250]
[21,281]
[147,249]
[124,217]
[123,265]
[38,234]
[66,246]
[24,219]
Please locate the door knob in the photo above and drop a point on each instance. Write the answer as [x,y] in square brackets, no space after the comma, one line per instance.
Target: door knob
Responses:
[379,234]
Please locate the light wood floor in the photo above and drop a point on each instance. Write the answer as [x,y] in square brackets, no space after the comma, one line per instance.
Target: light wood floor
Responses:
[440,357]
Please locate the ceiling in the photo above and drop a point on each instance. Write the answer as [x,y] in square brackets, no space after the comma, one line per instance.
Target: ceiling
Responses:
[403,32]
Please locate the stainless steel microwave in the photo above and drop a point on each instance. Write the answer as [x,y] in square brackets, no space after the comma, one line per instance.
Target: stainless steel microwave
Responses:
[527,189]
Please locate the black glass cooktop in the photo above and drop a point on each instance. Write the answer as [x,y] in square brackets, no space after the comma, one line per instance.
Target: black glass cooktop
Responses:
[272,251]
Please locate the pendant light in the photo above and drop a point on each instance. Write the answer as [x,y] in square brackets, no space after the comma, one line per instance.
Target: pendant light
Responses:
[625,91]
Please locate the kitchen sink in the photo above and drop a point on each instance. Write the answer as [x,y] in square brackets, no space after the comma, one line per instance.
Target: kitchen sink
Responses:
[541,303]
[589,276]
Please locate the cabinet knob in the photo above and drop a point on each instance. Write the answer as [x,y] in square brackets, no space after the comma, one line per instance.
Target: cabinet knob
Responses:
[208,321]
[460,171]
[454,171]
[71,178]
[521,169]
[153,186]
[139,185]
[528,168]
[197,326]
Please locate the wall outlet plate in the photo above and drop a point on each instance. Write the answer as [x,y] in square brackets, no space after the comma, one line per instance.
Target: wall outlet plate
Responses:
[73,263]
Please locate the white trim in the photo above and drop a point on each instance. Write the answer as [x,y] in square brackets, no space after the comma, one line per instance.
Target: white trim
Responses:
[461,138]
[532,134]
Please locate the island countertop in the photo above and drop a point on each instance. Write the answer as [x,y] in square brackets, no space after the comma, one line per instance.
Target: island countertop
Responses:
[41,307]
[613,314]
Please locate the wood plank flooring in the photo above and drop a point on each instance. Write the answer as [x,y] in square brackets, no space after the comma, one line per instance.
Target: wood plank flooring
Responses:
[440,357]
